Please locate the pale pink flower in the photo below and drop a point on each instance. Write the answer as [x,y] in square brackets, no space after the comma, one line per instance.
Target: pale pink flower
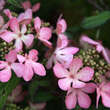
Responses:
[31,66]
[27,5]
[103,90]
[62,53]
[18,35]
[2,3]
[79,95]
[6,66]
[73,76]
[8,13]
[26,17]
[43,33]
[99,47]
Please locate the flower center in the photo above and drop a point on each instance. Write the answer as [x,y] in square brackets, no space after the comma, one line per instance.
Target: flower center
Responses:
[72,76]
[20,35]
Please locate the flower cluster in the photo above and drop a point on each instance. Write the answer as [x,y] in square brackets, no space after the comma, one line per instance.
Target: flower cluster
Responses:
[79,70]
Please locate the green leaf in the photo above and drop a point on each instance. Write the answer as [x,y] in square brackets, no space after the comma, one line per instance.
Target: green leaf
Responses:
[95,21]
[15,3]
[43,96]
[6,89]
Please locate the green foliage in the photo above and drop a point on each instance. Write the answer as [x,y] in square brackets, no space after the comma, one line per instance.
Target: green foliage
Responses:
[6,89]
[95,21]
[15,3]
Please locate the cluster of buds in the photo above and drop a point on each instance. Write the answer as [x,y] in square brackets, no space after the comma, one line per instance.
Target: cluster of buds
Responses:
[80,71]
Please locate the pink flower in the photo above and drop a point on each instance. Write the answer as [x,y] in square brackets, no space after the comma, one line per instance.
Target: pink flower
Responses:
[103,90]
[31,65]
[2,3]
[62,53]
[18,35]
[26,17]
[43,33]
[99,47]
[27,5]
[6,66]
[79,95]
[73,77]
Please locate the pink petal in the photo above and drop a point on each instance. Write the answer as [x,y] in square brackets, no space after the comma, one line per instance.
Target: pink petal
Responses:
[89,88]
[5,75]
[46,43]
[49,62]
[76,64]
[45,33]
[71,100]
[7,36]
[8,13]
[60,71]
[21,58]
[85,74]
[36,7]
[28,39]
[11,56]
[65,60]
[98,96]
[28,74]
[106,54]
[33,54]
[39,69]
[106,99]
[106,87]
[18,45]
[14,25]
[18,69]
[26,4]
[62,41]
[77,84]
[25,18]
[69,50]
[61,26]
[65,83]
[84,100]
[3,64]
[88,40]
[37,23]
[23,29]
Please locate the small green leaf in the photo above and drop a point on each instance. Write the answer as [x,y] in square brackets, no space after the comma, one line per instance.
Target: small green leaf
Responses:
[95,21]
[15,3]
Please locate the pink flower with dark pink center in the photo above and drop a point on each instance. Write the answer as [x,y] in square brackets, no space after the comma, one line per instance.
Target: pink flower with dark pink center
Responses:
[6,66]
[31,66]
[27,5]
[73,76]
[43,33]
[103,91]
[62,53]
[79,95]
[99,47]
[18,35]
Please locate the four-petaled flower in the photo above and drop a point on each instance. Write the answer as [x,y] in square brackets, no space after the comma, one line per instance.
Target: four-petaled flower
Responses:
[73,77]
[18,35]
[31,65]
[79,95]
